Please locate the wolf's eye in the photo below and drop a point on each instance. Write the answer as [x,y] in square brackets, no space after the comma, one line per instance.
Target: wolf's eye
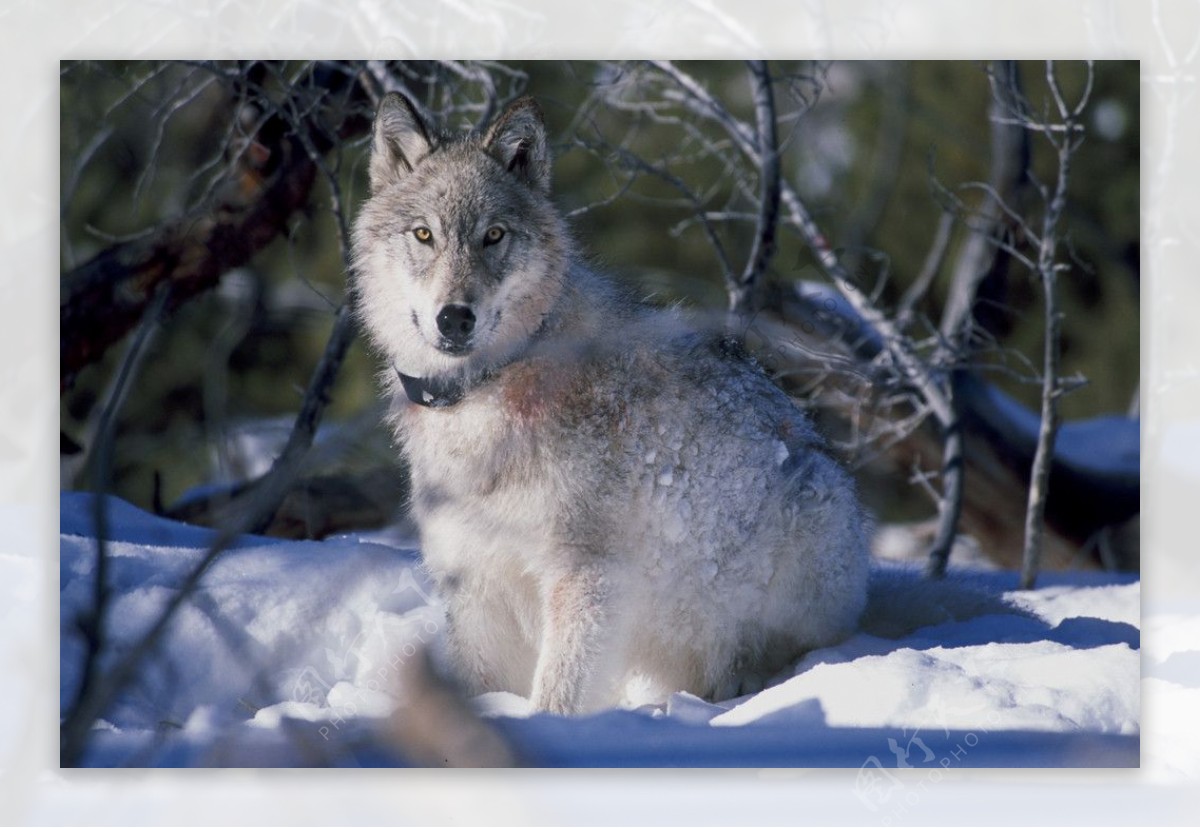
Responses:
[423,235]
[494,234]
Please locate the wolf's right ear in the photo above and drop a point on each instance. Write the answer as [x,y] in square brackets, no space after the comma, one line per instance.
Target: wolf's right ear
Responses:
[399,141]
[518,141]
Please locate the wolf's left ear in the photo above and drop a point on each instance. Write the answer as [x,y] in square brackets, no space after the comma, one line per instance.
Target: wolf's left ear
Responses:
[518,140]
[399,141]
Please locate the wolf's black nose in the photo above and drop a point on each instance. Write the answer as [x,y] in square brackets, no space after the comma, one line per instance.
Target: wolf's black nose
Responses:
[456,322]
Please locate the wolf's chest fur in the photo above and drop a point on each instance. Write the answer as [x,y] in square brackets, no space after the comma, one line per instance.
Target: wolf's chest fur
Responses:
[520,454]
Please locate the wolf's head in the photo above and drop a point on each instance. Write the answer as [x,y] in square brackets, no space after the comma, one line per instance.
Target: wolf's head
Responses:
[459,255]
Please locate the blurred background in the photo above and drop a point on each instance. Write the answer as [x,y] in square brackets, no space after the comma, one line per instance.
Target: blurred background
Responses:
[234,181]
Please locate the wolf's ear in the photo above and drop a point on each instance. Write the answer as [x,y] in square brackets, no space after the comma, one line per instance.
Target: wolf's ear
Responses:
[518,140]
[400,140]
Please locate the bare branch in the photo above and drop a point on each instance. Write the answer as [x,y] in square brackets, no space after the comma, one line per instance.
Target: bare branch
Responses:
[911,366]
[74,733]
[631,161]
[1056,91]
[389,82]
[1048,269]
[742,293]
[929,270]
[978,260]
[953,486]
[191,253]
[1009,158]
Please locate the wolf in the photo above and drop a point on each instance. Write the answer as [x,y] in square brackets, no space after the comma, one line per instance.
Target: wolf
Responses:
[613,502]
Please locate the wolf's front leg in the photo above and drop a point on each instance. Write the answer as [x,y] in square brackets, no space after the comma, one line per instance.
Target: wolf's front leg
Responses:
[487,644]
[573,648]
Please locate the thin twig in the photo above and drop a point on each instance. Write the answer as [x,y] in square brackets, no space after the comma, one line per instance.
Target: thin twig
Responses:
[75,723]
[1048,268]
[929,270]
[634,162]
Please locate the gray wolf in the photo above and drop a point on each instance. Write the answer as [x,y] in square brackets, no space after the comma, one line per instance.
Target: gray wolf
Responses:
[613,504]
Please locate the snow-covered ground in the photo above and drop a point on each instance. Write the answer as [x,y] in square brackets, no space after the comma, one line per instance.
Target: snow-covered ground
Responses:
[295,653]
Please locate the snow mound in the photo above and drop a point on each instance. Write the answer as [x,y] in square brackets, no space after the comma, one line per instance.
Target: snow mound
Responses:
[295,653]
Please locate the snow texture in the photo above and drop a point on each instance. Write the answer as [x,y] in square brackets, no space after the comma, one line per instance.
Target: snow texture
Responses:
[292,653]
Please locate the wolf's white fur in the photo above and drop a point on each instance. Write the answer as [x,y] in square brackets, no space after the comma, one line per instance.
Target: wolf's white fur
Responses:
[620,506]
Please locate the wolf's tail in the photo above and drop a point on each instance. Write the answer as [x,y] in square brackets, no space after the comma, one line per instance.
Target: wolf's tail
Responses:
[902,599]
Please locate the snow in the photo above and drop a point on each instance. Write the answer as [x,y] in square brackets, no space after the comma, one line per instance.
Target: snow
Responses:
[1106,446]
[295,653]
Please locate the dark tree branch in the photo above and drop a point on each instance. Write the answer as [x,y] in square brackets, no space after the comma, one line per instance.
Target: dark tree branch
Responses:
[742,294]
[953,487]
[980,257]
[287,465]
[93,624]
[106,296]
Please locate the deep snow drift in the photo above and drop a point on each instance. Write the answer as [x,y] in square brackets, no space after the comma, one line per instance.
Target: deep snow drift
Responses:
[293,653]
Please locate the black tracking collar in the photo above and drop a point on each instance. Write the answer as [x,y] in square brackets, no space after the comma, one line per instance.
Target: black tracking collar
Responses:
[432,393]
[443,393]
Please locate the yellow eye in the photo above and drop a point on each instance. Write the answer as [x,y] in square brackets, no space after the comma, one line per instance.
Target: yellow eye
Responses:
[493,234]
[423,234]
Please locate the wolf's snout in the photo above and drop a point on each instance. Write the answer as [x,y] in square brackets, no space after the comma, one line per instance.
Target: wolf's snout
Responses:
[456,323]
